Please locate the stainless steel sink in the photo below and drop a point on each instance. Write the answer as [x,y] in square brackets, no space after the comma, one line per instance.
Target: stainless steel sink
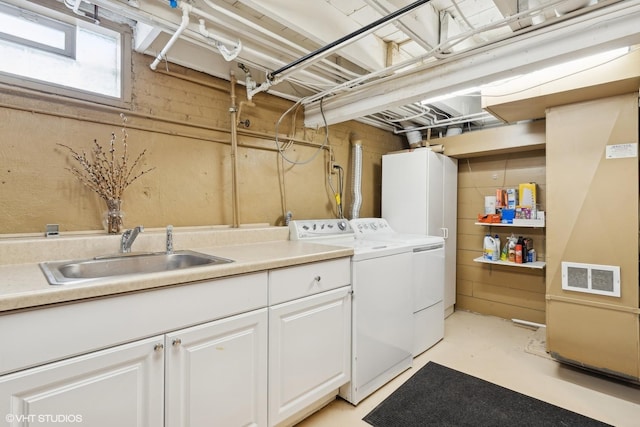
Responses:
[77,271]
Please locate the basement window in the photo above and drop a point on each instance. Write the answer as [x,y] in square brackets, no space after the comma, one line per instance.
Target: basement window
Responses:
[56,53]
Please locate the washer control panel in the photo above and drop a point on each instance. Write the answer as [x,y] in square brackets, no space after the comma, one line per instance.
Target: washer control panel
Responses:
[319,228]
[371,227]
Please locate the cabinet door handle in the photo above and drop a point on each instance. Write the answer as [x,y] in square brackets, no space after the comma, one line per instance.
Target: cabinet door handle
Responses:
[176,342]
[158,347]
[317,278]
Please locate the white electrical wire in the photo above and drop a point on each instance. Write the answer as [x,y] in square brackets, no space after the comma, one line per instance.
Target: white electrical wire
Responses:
[320,148]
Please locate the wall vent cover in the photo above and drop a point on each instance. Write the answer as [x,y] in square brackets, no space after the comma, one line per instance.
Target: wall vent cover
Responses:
[591,278]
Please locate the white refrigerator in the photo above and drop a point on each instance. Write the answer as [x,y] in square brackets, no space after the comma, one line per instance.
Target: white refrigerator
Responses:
[420,195]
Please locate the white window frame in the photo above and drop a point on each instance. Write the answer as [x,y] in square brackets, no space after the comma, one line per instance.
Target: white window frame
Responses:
[57,12]
[69,30]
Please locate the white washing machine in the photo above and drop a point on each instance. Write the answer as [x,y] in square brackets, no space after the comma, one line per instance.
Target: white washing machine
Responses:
[382,307]
[428,265]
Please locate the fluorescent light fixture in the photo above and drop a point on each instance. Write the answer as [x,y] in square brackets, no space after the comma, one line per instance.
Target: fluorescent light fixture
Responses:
[541,76]
[574,66]
[462,92]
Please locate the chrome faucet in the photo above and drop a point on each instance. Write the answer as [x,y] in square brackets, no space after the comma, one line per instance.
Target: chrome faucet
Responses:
[128,237]
[169,239]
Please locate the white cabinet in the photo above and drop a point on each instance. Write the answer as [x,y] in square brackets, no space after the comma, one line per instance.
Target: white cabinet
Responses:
[120,386]
[250,350]
[309,343]
[124,385]
[210,374]
[420,195]
[217,373]
[309,337]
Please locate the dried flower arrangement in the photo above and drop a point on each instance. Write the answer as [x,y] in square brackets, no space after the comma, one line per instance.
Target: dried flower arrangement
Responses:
[108,174]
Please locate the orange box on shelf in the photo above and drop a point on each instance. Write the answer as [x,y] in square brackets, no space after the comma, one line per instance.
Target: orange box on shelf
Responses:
[489,218]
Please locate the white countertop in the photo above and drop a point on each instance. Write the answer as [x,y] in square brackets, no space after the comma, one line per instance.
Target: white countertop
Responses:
[23,284]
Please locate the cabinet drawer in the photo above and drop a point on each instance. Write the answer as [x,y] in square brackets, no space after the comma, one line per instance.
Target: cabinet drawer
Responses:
[290,283]
[60,331]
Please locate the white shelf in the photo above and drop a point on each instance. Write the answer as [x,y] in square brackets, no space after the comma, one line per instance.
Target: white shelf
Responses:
[531,223]
[538,265]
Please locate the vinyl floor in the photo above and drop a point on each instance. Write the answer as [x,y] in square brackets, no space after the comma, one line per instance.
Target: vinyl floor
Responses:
[510,355]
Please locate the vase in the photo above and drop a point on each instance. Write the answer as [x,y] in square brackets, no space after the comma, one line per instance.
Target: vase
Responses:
[114,216]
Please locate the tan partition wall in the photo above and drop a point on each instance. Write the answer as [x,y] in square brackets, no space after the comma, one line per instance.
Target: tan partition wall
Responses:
[592,218]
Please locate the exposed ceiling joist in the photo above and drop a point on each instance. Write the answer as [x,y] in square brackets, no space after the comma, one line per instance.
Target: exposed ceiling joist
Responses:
[411,49]
[605,28]
[367,52]
[421,26]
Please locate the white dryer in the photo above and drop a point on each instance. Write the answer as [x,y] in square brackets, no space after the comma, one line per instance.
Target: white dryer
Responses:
[382,307]
[428,266]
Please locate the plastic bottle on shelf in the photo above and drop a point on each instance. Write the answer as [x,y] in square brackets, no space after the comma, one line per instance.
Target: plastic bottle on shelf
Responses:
[518,254]
[511,257]
[531,255]
[521,242]
[504,255]
[488,247]
[496,250]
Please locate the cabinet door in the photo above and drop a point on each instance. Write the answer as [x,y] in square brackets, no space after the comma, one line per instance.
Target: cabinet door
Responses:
[120,386]
[309,351]
[404,191]
[450,219]
[435,195]
[217,373]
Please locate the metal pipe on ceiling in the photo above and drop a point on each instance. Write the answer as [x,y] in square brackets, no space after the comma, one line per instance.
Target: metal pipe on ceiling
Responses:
[280,40]
[137,14]
[341,42]
[466,118]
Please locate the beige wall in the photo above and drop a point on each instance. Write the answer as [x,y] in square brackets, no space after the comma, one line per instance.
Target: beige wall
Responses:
[593,218]
[185,128]
[508,292]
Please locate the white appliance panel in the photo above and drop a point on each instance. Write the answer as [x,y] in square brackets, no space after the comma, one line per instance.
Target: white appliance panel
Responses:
[419,195]
[428,268]
[382,322]
[382,304]
[428,327]
[403,194]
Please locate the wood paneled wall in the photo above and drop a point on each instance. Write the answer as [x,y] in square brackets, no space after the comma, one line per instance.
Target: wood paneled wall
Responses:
[507,292]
